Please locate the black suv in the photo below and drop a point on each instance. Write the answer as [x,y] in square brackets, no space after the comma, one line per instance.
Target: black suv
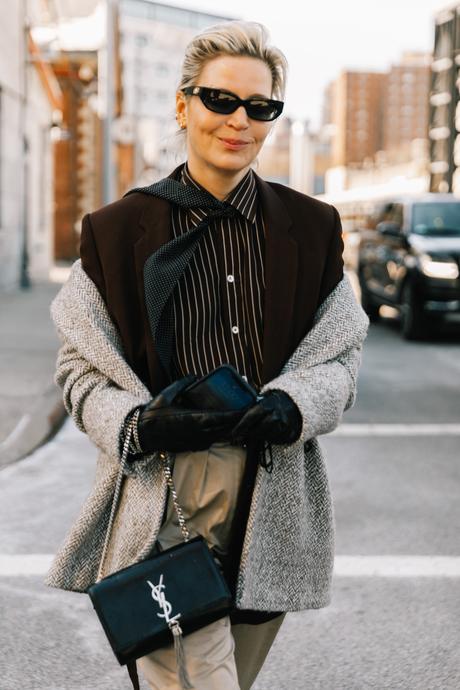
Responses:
[409,258]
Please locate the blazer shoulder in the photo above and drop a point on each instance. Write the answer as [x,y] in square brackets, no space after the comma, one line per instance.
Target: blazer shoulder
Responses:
[127,209]
[296,199]
[108,233]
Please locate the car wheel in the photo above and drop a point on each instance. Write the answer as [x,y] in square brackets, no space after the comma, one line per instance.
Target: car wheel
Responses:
[413,318]
[371,309]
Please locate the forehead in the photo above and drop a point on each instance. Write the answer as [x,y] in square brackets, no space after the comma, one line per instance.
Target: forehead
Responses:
[243,75]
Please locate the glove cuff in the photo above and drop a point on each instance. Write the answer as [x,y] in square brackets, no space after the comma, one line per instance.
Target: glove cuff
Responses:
[293,413]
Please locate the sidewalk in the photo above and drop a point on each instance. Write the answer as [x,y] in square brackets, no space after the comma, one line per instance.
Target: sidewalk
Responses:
[31,408]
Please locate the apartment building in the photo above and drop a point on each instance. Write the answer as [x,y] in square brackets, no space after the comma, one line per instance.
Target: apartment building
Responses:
[153,38]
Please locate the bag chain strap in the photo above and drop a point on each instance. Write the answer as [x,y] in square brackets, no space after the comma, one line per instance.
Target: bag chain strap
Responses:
[170,483]
[131,431]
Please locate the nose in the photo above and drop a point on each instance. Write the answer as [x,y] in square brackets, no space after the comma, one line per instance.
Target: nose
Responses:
[239,118]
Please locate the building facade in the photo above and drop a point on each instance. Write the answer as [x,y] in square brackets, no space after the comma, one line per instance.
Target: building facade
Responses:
[26,170]
[153,38]
[377,127]
[357,116]
[406,102]
[444,116]
[77,150]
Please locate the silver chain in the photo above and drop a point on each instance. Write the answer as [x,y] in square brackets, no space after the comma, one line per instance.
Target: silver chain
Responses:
[169,481]
[131,431]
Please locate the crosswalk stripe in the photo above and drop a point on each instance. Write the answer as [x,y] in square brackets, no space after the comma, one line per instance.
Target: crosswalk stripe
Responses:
[344,566]
[397,566]
[24,564]
[397,430]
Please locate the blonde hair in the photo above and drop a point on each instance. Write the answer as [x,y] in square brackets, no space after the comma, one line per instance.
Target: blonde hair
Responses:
[234,37]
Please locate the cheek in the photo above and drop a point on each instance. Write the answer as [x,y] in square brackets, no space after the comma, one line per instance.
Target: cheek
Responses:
[261,134]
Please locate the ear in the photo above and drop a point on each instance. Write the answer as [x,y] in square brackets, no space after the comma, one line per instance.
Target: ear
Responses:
[181,105]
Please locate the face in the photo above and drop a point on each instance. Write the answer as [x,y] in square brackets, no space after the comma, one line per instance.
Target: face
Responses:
[207,131]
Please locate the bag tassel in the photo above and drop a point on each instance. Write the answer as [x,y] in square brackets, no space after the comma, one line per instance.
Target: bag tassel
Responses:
[182,673]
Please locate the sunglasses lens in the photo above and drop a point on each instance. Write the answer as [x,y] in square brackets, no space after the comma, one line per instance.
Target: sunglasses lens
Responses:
[262,110]
[220,102]
[225,103]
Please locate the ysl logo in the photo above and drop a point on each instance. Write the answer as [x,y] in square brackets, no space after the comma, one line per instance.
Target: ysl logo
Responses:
[159,596]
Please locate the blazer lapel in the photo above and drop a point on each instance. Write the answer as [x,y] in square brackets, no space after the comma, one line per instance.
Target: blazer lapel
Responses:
[281,266]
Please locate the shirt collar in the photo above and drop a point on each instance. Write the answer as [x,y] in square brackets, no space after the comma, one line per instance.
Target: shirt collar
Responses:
[243,197]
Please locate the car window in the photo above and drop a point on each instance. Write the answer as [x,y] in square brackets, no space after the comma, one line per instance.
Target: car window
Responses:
[436,218]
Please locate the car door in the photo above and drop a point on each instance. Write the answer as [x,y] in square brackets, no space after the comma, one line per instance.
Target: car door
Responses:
[376,252]
[392,250]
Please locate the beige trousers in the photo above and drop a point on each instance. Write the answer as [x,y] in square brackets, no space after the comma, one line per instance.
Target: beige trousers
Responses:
[220,656]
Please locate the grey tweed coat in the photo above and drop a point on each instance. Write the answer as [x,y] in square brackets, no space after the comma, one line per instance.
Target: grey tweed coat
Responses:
[288,550]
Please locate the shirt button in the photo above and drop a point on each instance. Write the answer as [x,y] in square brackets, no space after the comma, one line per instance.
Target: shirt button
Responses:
[230,278]
[235,329]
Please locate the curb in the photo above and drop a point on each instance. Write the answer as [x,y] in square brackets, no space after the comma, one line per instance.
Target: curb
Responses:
[35,427]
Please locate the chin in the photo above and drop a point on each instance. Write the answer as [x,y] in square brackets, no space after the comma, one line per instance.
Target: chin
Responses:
[232,163]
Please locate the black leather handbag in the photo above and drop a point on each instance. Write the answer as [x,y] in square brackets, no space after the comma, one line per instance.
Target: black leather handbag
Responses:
[149,604]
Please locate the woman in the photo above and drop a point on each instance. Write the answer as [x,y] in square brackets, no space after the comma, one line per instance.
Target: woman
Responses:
[263,290]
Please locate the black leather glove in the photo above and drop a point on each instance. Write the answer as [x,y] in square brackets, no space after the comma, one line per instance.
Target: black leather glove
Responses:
[165,425]
[276,419]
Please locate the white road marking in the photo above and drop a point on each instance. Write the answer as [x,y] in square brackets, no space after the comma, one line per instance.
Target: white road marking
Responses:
[397,430]
[16,432]
[397,566]
[24,564]
[344,566]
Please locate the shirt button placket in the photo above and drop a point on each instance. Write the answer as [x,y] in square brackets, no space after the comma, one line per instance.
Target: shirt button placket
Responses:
[231,279]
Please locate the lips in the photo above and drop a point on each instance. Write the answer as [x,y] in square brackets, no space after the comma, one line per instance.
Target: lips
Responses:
[234,144]
[235,141]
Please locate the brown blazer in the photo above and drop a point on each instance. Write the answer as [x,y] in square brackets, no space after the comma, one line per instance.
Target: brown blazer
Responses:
[303,264]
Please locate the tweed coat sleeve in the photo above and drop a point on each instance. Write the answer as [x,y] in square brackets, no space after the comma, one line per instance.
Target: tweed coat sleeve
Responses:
[321,374]
[99,388]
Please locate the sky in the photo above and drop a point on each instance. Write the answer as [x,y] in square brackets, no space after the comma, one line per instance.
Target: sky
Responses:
[322,38]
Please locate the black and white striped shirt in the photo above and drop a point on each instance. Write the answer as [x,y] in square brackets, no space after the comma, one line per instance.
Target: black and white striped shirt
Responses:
[219,299]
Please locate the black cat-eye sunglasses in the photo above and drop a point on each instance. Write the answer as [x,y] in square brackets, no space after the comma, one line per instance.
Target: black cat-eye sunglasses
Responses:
[226,102]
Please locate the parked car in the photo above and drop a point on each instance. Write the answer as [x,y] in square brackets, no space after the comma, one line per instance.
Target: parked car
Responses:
[410,259]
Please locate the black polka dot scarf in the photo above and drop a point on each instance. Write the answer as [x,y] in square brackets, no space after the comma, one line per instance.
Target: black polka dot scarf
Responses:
[164,267]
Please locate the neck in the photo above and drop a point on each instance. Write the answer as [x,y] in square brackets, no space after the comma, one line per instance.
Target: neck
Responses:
[217,182]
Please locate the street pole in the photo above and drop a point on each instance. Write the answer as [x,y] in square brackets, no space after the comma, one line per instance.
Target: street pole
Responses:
[24,279]
[108,79]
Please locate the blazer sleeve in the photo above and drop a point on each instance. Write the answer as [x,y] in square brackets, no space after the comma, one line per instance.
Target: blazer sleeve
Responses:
[333,272]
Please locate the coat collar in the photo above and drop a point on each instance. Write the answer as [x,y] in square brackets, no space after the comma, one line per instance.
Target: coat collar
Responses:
[281,265]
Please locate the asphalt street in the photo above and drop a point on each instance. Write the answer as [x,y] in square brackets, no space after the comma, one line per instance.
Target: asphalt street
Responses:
[395,476]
